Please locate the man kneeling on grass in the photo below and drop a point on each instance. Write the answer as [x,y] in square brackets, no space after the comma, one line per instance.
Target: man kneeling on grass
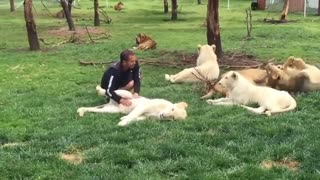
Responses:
[124,74]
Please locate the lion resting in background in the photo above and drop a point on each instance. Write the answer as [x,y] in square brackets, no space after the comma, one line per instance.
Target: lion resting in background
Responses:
[296,76]
[144,42]
[242,92]
[119,6]
[255,76]
[207,67]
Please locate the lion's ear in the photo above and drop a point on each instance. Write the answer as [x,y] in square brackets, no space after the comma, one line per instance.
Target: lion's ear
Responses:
[234,76]
[199,47]
[213,47]
[182,105]
[275,76]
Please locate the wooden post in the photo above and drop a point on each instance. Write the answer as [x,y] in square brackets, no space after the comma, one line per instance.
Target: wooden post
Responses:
[213,27]
[174,15]
[31,26]
[319,8]
[249,22]
[68,15]
[96,13]
[165,6]
[285,11]
[12,8]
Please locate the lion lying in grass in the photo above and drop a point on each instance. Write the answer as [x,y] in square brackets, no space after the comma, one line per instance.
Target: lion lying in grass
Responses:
[295,76]
[141,108]
[241,92]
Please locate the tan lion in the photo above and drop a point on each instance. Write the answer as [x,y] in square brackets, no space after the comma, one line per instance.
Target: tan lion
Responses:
[119,6]
[144,42]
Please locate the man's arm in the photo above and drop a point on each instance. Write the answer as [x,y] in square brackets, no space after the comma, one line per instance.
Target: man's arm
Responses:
[136,78]
[109,82]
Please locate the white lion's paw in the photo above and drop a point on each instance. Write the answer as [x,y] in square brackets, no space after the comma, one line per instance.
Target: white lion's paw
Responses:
[80,111]
[100,91]
[123,123]
[167,77]
[268,113]
[210,101]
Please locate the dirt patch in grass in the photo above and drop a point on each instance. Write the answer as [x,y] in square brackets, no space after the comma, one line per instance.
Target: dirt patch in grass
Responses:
[177,59]
[287,163]
[80,35]
[229,60]
[80,31]
[72,158]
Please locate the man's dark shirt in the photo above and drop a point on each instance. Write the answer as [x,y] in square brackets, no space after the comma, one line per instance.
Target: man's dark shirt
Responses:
[114,78]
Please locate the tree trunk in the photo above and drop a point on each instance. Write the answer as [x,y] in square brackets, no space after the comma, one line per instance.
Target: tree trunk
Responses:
[31,26]
[12,6]
[199,1]
[285,10]
[174,15]
[213,27]
[70,5]
[96,13]
[165,6]
[319,8]
[68,15]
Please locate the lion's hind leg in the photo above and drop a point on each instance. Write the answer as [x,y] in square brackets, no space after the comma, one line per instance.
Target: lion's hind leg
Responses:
[259,110]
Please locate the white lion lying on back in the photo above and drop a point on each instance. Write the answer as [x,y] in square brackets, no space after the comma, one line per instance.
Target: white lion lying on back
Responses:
[140,109]
[207,67]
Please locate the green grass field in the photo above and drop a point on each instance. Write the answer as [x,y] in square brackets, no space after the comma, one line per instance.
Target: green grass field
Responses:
[40,92]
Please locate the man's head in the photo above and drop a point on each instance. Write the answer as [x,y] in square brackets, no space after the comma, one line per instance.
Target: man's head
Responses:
[127,59]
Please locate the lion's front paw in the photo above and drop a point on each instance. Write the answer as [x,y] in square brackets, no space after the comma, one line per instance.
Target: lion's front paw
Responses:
[81,111]
[167,77]
[123,123]
[268,113]
[100,91]
[210,101]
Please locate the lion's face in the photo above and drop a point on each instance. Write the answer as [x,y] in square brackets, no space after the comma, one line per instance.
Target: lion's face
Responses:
[229,79]
[141,38]
[176,112]
[273,71]
[294,63]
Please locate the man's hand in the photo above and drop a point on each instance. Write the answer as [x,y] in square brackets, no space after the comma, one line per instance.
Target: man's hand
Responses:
[125,102]
[135,95]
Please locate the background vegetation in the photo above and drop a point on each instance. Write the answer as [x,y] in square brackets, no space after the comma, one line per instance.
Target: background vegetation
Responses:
[40,92]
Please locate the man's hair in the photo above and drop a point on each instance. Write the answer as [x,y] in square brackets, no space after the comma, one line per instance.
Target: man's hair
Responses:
[124,55]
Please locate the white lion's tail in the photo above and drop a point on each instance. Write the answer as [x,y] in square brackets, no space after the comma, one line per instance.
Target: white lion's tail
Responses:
[292,106]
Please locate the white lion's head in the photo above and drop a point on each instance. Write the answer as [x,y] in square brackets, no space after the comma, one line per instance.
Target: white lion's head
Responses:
[175,112]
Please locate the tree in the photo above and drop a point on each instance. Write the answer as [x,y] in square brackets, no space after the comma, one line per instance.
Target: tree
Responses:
[68,15]
[70,5]
[31,26]
[165,6]
[213,27]
[12,8]
[199,1]
[174,15]
[96,13]
[319,8]
[285,10]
